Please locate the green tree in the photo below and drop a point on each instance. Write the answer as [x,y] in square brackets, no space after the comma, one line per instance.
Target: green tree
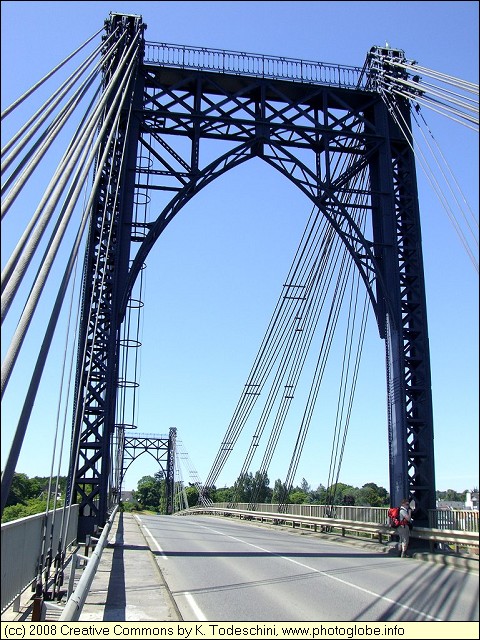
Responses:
[224,495]
[192,495]
[19,490]
[279,491]
[450,495]
[243,488]
[19,510]
[318,495]
[373,496]
[305,487]
[337,491]
[149,493]
[260,488]
[297,496]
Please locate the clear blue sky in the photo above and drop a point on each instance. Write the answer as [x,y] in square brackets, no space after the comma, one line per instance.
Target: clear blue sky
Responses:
[213,278]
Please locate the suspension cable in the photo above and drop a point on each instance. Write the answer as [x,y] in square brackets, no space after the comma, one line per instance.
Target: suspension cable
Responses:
[15,269]
[17,102]
[12,286]
[67,210]
[430,176]
[46,139]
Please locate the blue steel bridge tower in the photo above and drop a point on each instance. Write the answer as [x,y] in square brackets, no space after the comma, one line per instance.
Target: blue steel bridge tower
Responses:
[321,126]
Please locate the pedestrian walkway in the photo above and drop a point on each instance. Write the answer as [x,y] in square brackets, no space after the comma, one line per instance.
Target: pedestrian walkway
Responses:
[128,584]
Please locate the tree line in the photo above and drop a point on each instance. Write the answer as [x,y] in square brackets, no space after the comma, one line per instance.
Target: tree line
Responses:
[151,493]
[29,496]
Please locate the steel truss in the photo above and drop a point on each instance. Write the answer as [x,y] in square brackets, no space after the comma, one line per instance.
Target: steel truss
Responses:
[341,148]
[162,448]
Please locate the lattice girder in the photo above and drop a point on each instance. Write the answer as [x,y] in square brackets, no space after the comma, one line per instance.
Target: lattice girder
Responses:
[341,149]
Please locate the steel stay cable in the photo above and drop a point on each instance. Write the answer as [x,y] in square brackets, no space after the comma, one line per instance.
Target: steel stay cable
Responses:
[448,79]
[293,353]
[432,103]
[46,138]
[43,112]
[266,367]
[434,183]
[20,431]
[345,371]
[288,351]
[475,239]
[28,164]
[309,411]
[435,91]
[230,441]
[280,419]
[432,179]
[468,100]
[62,538]
[46,263]
[193,473]
[355,279]
[293,376]
[334,468]
[51,252]
[30,231]
[318,375]
[13,283]
[60,548]
[276,329]
[450,172]
[19,100]
[353,385]
[334,314]
[298,362]
[179,487]
[414,67]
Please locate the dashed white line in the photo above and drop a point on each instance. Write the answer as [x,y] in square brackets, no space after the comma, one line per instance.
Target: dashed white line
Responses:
[329,575]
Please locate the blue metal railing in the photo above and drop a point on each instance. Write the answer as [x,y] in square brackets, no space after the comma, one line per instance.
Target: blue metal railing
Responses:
[259,65]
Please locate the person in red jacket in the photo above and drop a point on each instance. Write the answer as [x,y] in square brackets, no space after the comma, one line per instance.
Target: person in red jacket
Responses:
[404,529]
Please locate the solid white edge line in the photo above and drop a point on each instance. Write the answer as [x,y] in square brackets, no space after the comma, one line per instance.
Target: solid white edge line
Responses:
[159,548]
[194,606]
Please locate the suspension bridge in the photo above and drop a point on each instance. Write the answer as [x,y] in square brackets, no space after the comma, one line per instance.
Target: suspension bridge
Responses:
[155,124]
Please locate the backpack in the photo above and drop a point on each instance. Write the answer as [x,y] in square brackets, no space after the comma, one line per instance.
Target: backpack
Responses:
[394,517]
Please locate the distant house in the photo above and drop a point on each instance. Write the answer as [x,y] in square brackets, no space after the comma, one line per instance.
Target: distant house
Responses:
[450,505]
[126,496]
[471,500]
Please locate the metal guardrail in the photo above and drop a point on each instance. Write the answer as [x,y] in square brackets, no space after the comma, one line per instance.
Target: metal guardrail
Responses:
[463,520]
[74,605]
[259,65]
[456,538]
[21,547]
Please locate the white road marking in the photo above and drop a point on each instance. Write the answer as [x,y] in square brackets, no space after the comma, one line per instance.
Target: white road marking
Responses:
[194,606]
[159,548]
[329,575]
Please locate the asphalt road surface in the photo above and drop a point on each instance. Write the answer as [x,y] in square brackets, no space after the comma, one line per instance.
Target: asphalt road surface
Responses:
[220,569]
